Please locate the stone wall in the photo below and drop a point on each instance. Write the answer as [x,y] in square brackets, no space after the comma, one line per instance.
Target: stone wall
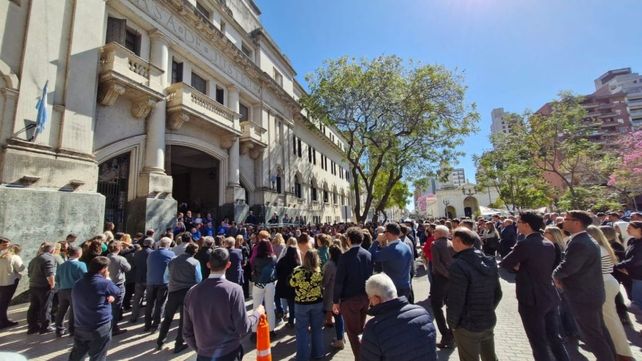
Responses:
[31,216]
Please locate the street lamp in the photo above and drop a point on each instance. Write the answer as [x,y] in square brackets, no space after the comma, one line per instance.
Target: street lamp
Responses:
[446,204]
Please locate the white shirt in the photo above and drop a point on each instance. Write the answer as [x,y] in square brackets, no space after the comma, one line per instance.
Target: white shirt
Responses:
[217,275]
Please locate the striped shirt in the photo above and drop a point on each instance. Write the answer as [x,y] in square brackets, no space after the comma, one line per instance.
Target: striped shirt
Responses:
[607,261]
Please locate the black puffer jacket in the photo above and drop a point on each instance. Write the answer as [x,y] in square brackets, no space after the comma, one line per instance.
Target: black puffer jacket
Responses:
[473,291]
[399,331]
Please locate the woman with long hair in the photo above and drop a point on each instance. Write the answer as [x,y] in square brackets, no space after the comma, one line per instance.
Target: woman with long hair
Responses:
[568,327]
[307,281]
[611,288]
[264,277]
[284,292]
[278,245]
[619,250]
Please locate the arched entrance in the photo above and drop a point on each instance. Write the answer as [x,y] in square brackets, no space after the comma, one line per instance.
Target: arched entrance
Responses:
[451,212]
[113,183]
[471,206]
[196,178]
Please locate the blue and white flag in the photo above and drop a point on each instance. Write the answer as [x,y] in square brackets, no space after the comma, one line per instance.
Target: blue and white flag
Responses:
[41,106]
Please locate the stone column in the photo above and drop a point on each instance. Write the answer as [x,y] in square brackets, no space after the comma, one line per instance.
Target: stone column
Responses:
[154,206]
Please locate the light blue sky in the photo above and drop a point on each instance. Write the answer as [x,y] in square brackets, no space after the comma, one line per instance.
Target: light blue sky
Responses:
[515,54]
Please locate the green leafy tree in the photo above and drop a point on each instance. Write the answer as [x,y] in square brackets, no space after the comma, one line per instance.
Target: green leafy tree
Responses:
[508,169]
[557,141]
[398,195]
[400,119]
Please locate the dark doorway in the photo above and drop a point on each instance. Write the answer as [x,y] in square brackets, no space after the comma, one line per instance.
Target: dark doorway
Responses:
[113,183]
[195,179]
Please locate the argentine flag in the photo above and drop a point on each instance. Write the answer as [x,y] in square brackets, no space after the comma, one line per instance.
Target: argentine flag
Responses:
[41,106]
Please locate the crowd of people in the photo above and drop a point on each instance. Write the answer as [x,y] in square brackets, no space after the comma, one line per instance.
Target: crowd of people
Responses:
[568,266]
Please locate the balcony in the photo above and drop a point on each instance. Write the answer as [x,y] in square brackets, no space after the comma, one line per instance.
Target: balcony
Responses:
[185,103]
[252,139]
[124,73]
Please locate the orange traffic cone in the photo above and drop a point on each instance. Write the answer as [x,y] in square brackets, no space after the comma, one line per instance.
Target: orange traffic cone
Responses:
[263,352]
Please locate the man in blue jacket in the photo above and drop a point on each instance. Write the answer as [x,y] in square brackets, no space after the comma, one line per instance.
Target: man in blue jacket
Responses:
[157,281]
[395,257]
[398,330]
[92,297]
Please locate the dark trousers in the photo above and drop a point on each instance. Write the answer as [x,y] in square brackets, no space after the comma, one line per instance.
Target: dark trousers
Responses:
[39,313]
[594,333]
[354,311]
[92,342]
[139,293]
[232,356]
[64,304]
[156,296]
[130,288]
[6,294]
[472,345]
[542,330]
[174,303]
[117,307]
[438,292]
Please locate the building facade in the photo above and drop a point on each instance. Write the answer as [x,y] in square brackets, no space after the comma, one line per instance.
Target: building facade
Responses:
[499,124]
[154,105]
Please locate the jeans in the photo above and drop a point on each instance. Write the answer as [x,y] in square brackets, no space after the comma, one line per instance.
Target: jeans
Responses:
[156,296]
[174,303]
[39,313]
[64,304]
[117,307]
[636,292]
[472,345]
[288,306]
[139,293]
[92,342]
[309,345]
[6,293]
[265,294]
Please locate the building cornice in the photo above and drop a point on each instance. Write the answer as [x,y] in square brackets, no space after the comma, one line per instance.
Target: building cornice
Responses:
[208,30]
[260,34]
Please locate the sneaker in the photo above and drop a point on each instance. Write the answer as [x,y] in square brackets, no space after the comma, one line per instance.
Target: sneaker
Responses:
[338,344]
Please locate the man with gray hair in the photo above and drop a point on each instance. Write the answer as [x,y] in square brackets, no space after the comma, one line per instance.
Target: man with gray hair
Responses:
[157,283]
[41,272]
[398,330]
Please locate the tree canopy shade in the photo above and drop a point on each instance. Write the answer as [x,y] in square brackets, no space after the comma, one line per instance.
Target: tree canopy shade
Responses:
[400,119]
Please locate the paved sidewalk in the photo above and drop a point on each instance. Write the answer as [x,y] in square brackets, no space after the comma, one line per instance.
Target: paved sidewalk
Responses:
[510,339]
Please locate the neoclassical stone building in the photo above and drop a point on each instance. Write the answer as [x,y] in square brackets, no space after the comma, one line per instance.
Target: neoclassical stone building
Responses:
[153,104]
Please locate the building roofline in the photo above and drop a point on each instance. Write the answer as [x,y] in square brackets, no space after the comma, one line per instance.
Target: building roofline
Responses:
[259,33]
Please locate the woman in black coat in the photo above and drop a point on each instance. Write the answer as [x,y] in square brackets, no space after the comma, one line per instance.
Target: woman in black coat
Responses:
[284,291]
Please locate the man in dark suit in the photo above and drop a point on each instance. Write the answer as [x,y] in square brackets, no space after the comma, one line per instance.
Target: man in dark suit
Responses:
[580,275]
[534,259]
[508,237]
[350,298]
